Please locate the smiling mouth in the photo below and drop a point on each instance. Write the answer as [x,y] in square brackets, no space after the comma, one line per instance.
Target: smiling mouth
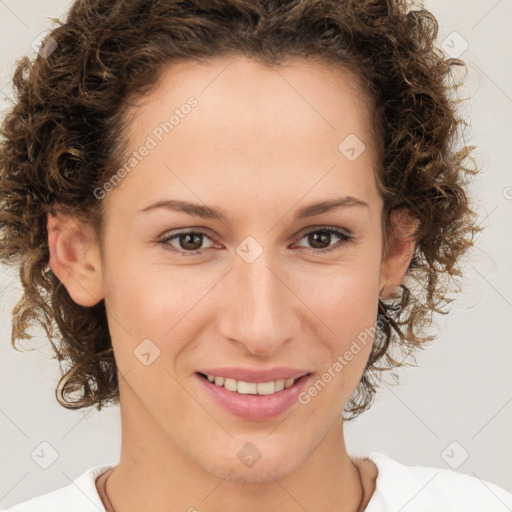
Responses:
[252,388]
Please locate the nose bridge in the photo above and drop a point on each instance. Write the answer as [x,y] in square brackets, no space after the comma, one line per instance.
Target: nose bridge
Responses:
[260,313]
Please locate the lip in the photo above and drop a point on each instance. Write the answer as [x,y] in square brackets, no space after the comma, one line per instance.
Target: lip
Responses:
[255,407]
[251,375]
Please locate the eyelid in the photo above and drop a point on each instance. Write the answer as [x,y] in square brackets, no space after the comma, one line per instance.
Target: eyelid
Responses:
[174,234]
[311,229]
[342,233]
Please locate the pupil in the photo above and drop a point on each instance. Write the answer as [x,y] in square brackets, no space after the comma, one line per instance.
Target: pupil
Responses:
[188,236]
[325,235]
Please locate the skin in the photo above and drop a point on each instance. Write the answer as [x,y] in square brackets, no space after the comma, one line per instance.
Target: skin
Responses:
[260,144]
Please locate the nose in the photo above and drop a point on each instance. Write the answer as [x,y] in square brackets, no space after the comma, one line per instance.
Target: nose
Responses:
[259,309]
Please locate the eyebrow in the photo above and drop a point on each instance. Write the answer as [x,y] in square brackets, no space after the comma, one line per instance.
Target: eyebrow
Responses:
[207,212]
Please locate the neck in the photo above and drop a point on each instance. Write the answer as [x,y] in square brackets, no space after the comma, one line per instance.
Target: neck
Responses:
[154,473]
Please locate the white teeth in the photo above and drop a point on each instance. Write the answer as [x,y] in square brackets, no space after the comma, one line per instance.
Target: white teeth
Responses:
[230,384]
[280,384]
[288,383]
[247,388]
[252,388]
[266,388]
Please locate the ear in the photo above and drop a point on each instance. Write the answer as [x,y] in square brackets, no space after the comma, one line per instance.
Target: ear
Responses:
[398,252]
[75,258]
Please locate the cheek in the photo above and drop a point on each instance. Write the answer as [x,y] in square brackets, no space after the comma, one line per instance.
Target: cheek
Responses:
[153,301]
[345,302]
[352,317]
[345,296]
[348,312]
[156,299]
[138,288]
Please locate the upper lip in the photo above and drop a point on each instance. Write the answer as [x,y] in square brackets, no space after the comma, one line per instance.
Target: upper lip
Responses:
[252,375]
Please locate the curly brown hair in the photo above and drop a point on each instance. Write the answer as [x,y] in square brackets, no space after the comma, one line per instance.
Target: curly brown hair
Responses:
[62,138]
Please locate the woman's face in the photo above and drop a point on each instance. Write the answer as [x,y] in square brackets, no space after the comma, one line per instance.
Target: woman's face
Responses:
[252,289]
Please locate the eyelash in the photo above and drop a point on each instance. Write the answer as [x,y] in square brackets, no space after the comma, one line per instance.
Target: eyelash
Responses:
[345,238]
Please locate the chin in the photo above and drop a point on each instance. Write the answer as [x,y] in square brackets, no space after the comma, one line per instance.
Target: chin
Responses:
[263,471]
[263,474]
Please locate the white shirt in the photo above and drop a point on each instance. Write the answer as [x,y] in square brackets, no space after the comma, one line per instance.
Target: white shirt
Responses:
[399,488]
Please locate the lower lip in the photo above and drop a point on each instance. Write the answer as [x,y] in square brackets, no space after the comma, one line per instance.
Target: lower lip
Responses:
[255,407]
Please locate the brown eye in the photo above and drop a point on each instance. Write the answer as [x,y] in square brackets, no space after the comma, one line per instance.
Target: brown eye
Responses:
[188,242]
[320,239]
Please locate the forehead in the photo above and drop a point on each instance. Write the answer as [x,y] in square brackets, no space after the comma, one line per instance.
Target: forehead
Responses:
[254,125]
[239,90]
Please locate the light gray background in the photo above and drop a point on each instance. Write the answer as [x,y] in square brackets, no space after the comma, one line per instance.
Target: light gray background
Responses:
[459,398]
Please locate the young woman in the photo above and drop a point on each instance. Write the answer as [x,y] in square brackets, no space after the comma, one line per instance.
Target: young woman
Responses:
[229,215]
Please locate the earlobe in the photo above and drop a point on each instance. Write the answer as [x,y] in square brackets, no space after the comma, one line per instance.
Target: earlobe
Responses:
[398,254]
[75,258]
